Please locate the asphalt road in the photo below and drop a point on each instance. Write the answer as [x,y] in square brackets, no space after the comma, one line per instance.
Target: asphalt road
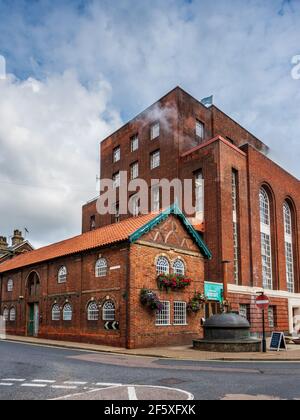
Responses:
[29,372]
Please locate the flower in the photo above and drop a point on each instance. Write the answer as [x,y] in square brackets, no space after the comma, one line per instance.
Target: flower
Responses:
[173,281]
[151,300]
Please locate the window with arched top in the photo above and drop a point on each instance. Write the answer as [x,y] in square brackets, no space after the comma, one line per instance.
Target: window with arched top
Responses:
[162,266]
[10,285]
[12,314]
[178,267]
[289,251]
[108,311]
[266,239]
[6,314]
[101,268]
[55,313]
[67,312]
[62,275]
[93,311]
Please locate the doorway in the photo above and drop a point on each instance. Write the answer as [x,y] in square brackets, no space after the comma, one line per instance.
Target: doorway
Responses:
[33,320]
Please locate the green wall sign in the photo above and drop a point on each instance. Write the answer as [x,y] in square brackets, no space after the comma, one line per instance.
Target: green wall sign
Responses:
[214,291]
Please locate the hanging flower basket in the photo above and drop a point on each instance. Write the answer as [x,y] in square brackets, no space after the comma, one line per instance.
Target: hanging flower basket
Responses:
[196,303]
[150,300]
[173,281]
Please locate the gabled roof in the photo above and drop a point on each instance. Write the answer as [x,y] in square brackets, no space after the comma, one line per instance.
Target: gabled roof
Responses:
[128,230]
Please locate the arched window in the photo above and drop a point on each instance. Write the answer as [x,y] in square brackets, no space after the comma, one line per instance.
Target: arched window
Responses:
[67,312]
[108,311]
[6,314]
[101,268]
[62,275]
[12,314]
[55,313]
[93,311]
[288,240]
[178,268]
[162,266]
[10,285]
[266,240]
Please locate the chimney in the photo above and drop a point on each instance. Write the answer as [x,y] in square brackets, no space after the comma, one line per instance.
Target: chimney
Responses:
[3,243]
[17,239]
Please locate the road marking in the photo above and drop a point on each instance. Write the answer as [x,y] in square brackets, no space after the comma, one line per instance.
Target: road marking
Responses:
[2,384]
[13,380]
[63,387]
[74,383]
[44,381]
[132,394]
[34,385]
[106,384]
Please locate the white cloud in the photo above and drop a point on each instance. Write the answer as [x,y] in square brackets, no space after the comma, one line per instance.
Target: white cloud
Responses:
[49,138]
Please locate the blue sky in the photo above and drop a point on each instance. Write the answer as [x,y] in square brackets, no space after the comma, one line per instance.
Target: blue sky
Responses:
[79,69]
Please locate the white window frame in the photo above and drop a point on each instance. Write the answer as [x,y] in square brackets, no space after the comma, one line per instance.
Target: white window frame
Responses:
[10,285]
[200,129]
[178,267]
[155,131]
[109,311]
[289,249]
[62,275]
[155,197]
[163,317]
[236,241]
[155,159]
[55,313]
[180,313]
[67,312]
[117,154]
[6,314]
[101,268]
[134,143]
[199,196]
[134,171]
[162,265]
[271,316]
[116,180]
[266,239]
[93,311]
[12,314]
[134,205]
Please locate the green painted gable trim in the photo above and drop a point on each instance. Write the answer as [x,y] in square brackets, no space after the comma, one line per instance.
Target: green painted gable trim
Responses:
[174,209]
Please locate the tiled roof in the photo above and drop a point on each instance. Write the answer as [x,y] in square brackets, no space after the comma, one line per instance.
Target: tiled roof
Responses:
[105,236]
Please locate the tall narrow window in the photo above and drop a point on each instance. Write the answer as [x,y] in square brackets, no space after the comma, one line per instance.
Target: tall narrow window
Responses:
[199,196]
[236,243]
[10,285]
[155,159]
[116,154]
[163,317]
[93,312]
[101,268]
[67,312]
[12,315]
[155,131]
[288,239]
[108,311]
[134,171]
[93,222]
[116,180]
[178,268]
[116,212]
[155,197]
[62,275]
[266,240]
[134,205]
[134,143]
[199,129]
[55,313]
[162,266]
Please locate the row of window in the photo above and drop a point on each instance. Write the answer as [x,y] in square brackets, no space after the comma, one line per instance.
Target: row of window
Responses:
[163,266]
[266,230]
[245,311]
[93,312]
[154,134]
[163,317]
[10,314]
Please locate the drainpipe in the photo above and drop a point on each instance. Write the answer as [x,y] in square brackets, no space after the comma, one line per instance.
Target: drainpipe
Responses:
[225,283]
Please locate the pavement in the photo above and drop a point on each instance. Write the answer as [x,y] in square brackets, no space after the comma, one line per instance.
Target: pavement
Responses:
[176,352]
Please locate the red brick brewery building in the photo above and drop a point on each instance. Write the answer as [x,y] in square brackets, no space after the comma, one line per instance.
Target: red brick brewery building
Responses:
[247,212]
